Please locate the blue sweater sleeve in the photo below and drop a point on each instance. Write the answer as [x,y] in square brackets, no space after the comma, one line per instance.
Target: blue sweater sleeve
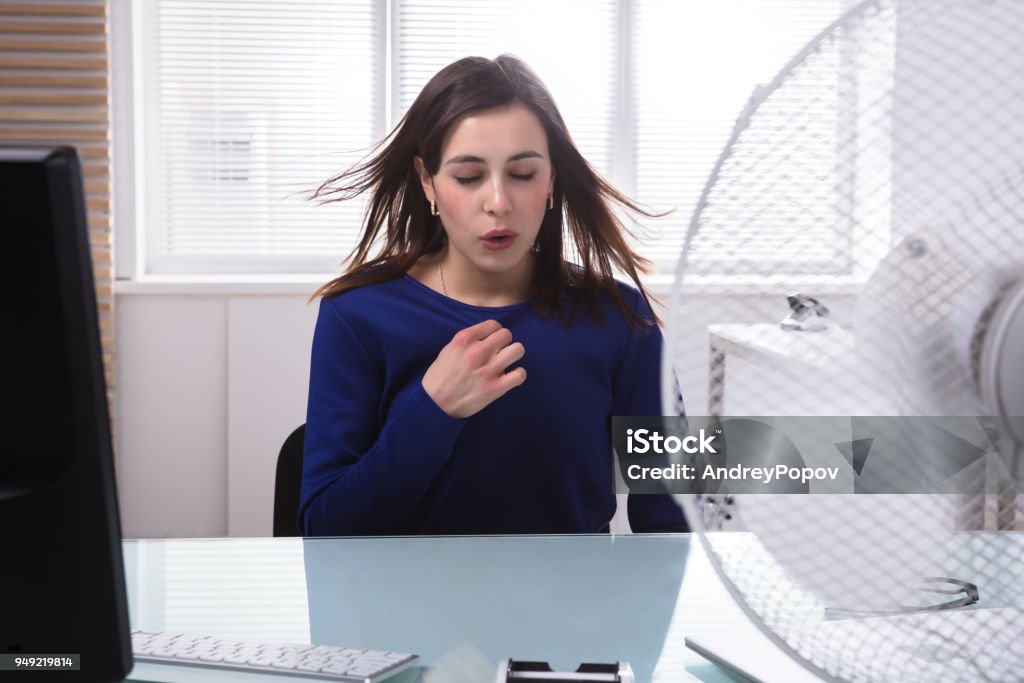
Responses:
[361,476]
[637,392]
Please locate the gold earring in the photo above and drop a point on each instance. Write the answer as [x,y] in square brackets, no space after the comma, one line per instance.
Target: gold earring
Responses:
[551,199]
[433,208]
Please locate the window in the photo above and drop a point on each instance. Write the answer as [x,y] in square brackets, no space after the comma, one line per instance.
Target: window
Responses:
[695,70]
[249,104]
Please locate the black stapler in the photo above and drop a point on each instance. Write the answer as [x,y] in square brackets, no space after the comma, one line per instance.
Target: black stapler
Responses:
[512,671]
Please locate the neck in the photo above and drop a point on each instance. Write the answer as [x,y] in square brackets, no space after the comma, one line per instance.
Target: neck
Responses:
[468,284]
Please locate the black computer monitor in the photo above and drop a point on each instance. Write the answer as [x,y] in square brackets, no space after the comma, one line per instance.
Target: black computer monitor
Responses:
[61,574]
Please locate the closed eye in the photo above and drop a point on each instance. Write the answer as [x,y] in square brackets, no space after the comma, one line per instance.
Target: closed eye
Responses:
[467,181]
[523,176]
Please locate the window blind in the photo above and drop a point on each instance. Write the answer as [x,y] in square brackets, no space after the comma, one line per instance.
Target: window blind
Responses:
[571,45]
[695,67]
[252,104]
[54,89]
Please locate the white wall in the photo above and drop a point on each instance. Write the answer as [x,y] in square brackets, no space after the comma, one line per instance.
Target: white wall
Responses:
[208,388]
[958,116]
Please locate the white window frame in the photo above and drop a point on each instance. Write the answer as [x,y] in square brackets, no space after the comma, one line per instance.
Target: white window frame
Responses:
[133,214]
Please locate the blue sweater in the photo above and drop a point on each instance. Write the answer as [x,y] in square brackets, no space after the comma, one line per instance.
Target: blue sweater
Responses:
[382,458]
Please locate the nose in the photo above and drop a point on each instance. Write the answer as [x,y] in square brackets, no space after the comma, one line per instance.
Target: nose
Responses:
[497,201]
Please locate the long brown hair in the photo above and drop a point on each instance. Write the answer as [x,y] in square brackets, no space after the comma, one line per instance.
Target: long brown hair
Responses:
[399,208]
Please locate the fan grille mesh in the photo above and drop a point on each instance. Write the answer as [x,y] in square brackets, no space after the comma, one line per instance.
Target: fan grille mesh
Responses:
[906,218]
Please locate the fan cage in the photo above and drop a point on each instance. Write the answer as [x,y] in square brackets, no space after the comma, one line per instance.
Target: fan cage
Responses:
[895,195]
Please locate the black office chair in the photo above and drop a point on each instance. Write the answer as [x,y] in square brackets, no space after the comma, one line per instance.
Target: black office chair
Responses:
[288,483]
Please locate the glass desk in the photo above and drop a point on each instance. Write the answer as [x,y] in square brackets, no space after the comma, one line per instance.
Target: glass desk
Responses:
[461,603]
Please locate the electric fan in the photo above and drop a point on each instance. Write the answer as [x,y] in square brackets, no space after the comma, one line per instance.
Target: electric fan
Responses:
[879,177]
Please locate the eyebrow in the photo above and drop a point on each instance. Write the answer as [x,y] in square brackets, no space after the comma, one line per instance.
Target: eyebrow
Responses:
[470,159]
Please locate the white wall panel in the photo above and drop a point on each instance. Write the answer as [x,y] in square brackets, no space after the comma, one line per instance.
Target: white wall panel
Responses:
[267,381]
[172,423]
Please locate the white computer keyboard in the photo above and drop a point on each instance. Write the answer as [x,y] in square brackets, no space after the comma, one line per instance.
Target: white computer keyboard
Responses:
[160,654]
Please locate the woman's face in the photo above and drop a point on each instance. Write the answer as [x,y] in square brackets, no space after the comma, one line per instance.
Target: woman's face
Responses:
[492,187]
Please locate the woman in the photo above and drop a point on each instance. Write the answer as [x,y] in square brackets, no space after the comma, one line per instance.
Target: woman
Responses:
[463,378]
